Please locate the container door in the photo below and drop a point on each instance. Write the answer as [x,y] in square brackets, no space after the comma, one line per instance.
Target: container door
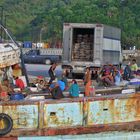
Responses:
[98,45]
[112,57]
[66,43]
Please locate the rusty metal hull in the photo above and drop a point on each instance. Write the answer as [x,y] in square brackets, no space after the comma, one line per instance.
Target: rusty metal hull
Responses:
[74,116]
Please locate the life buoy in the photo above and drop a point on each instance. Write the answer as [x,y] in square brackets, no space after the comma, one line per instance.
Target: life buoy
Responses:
[6,124]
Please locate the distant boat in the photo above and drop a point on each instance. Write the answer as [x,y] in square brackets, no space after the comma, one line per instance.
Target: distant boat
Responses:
[9,52]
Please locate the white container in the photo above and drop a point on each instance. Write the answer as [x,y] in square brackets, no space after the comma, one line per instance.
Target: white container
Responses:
[17,89]
[128,91]
[33,89]
[37,98]
[92,91]
[81,95]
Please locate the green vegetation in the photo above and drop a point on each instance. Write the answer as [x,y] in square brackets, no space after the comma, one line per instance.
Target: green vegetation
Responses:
[27,19]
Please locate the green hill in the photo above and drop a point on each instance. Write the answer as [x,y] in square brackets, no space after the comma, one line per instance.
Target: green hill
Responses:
[27,19]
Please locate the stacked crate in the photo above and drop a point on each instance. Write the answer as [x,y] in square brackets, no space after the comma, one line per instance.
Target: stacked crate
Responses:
[83,48]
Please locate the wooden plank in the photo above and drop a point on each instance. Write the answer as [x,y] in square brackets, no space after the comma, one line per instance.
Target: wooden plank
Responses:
[112,90]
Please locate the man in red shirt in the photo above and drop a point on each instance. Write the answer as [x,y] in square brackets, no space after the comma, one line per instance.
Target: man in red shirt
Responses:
[19,83]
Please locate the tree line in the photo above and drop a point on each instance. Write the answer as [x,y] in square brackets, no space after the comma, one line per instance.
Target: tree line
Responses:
[42,20]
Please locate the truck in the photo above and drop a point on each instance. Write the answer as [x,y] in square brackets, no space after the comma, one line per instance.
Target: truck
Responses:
[89,45]
[35,56]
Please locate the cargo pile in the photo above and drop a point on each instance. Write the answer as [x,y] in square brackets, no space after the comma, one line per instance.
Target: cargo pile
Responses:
[83,48]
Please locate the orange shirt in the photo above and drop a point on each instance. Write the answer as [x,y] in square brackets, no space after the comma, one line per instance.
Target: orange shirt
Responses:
[87,77]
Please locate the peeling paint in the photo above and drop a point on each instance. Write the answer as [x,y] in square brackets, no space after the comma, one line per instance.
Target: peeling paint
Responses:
[114,111]
[63,114]
[137,115]
[75,116]
[24,116]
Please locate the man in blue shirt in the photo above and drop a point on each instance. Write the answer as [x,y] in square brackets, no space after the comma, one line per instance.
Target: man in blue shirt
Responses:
[60,83]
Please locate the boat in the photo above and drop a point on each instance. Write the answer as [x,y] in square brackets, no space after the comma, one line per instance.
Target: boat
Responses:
[9,53]
[115,111]
[109,110]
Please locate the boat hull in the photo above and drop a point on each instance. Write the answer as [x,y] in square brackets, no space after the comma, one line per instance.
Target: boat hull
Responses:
[85,115]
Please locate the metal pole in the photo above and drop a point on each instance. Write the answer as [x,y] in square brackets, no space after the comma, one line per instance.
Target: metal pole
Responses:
[1,20]
[122,3]
[40,35]
[121,14]
[41,30]
[5,23]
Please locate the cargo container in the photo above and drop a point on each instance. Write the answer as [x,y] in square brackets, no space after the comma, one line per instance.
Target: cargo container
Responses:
[27,44]
[90,45]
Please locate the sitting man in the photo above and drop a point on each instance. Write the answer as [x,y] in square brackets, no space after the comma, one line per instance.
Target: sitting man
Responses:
[40,83]
[61,84]
[5,90]
[57,89]
[107,76]
[127,74]
[19,83]
[134,67]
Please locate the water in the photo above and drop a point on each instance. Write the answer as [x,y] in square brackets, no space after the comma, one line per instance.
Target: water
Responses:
[99,136]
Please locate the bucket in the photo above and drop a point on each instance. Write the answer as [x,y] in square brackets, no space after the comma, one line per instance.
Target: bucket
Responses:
[17,96]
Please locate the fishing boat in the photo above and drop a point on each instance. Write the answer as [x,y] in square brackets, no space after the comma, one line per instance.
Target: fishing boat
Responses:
[108,110]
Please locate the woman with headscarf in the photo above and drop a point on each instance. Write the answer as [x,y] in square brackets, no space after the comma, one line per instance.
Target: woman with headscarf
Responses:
[74,89]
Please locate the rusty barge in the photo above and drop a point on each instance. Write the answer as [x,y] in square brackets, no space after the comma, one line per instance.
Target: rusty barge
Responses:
[68,116]
[83,115]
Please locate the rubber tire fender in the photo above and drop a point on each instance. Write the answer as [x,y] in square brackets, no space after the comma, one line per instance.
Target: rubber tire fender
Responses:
[8,122]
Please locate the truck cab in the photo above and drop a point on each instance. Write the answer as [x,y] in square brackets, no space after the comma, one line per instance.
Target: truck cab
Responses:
[34,56]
